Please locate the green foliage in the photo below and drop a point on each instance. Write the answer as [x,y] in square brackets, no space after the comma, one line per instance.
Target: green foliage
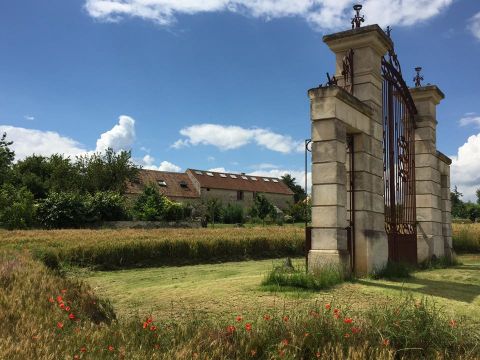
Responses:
[106,206]
[62,210]
[6,158]
[299,192]
[214,210]
[464,210]
[262,208]
[150,205]
[301,211]
[173,211]
[285,278]
[233,214]
[442,262]
[478,196]
[17,209]
[394,270]
[108,171]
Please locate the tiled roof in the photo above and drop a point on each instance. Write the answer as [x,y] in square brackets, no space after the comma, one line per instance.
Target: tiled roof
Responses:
[172,184]
[230,181]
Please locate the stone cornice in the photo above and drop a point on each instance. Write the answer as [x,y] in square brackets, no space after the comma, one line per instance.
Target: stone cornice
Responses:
[341,94]
[427,93]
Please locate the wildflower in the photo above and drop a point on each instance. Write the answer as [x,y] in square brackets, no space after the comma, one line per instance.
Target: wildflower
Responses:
[83,349]
[281,353]
[153,328]
[60,325]
[346,336]
[156,346]
[336,311]
[145,325]
[328,306]
[51,300]
[67,308]
[306,334]
[76,357]
[248,327]
[64,291]
[149,320]
[59,299]
[453,323]
[285,342]
[355,330]
[62,305]
[386,342]
[71,316]
[239,318]
[285,318]
[231,329]
[253,352]
[347,320]
[318,354]
[111,348]
[266,317]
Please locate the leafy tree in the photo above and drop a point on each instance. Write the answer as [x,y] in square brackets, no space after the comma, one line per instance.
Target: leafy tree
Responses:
[262,208]
[6,158]
[17,209]
[233,214]
[106,206]
[299,192]
[108,171]
[62,210]
[150,205]
[214,210]
[478,196]
[458,206]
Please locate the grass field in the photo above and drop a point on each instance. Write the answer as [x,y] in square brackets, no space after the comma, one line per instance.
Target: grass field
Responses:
[234,288]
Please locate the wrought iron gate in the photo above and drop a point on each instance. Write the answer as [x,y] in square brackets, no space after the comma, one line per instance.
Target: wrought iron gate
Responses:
[399,163]
[351,201]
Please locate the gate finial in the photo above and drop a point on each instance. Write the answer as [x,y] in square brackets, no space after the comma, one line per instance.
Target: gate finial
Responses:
[418,78]
[357,20]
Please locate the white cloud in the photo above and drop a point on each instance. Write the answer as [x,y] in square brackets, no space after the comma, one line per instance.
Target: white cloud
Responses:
[120,137]
[465,170]
[474,25]
[30,141]
[164,166]
[322,14]
[148,160]
[29,117]
[470,119]
[234,137]
[223,170]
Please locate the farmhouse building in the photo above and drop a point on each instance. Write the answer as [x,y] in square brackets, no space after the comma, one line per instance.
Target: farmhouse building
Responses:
[200,185]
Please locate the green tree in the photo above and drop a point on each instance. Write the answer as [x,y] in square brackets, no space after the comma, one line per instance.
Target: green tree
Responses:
[299,192]
[6,158]
[214,210]
[458,206]
[478,196]
[108,171]
[150,205]
[262,208]
[17,209]
[63,210]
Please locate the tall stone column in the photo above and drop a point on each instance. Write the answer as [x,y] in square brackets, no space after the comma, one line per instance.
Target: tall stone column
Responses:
[428,177]
[368,44]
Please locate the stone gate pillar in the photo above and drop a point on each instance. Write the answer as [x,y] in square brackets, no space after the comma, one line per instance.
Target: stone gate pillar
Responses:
[432,171]
[354,108]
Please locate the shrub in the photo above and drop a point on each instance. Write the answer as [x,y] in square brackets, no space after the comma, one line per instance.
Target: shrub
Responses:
[321,278]
[17,209]
[173,211]
[106,206]
[262,208]
[62,210]
[150,205]
[233,214]
[393,270]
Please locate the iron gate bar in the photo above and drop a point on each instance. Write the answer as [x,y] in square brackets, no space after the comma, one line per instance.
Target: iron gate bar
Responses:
[351,193]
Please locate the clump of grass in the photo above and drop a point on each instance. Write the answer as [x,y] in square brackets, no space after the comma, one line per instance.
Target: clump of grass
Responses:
[393,270]
[466,237]
[442,262]
[286,278]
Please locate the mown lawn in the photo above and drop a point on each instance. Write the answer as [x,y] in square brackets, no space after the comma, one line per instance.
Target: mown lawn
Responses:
[234,288]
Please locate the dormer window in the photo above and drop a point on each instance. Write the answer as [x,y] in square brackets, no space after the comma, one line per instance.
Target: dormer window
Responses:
[183,185]
[162,183]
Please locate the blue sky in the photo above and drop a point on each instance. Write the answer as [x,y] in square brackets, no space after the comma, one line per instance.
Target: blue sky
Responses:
[78,75]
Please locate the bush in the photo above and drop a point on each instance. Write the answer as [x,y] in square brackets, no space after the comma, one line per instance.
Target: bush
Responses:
[263,209]
[150,205]
[62,210]
[173,211]
[17,209]
[106,206]
[321,278]
[394,270]
[233,214]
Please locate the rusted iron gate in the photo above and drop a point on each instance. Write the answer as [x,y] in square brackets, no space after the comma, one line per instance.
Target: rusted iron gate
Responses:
[399,163]
[351,201]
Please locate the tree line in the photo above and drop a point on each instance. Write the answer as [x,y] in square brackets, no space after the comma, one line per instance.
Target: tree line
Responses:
[462,210]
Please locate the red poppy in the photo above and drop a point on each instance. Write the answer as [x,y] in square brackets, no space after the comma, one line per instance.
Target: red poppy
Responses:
[145,325]
[386,342]
[337,316]
[238,318]
[248,327]
[71,316]
[266,317]
[59,325]
[67,308]
[76,357]
[346,335]
[156,346]
[281,353]
[253,352]
[355,330]
[153,328]
[83,349]
[453,323]
[328,306]
[64,291]
[110,348]
[231,329]
[59,299]
[149,320]
[306,334]
[318,354]
[51,300]
[285,342]
[348,320]
[285,318]
[336,311]
[62,305]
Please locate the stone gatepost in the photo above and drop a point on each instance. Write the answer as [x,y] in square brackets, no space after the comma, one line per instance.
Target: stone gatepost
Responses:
[432,171]
[354,109]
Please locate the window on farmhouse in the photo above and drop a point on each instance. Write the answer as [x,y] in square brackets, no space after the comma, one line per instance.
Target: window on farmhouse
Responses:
[162,183]
[239,195]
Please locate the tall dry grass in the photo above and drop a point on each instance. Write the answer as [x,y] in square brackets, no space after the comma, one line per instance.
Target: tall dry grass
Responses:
[36,303]
[466,237]
[113,249]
